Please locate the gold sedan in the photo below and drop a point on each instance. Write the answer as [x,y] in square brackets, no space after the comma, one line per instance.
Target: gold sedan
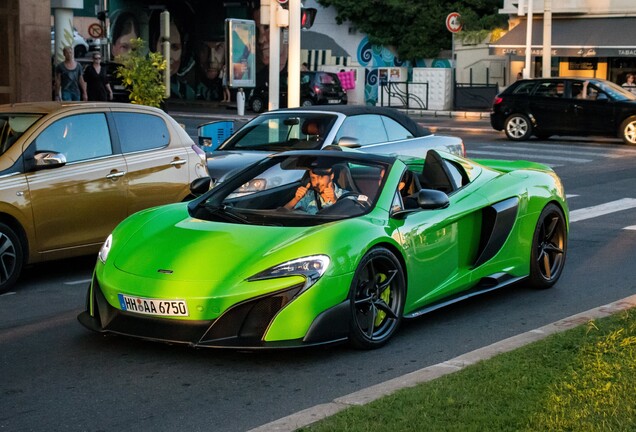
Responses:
[70,172]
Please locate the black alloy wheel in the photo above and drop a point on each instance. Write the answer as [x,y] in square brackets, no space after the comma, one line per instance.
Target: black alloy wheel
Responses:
[257,105]
[377,299]
[549,247]
[11,257]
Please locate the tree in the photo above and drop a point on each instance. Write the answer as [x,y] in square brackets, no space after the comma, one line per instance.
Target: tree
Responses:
[416,28]
[142,74]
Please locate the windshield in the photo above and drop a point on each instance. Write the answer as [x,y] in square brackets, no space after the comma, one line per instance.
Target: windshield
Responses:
[12,126]
[615,91]
[282,132]
[298,190]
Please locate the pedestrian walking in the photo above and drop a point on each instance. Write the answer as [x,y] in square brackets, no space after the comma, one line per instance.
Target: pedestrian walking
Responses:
[69,83]
[97,85]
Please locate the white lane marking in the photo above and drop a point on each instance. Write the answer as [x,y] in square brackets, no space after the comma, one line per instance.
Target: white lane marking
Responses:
[83,281]
[576,151]
[529,156]
[8,293]
[630,228]
[602,209]
[571,196]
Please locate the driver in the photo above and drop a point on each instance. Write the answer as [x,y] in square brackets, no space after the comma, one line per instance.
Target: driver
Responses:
[319,192]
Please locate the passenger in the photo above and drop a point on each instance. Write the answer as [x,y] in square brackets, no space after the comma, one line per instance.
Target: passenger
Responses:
[319,192]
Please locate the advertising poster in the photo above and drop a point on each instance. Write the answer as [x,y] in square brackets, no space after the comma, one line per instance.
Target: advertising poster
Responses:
[241,35]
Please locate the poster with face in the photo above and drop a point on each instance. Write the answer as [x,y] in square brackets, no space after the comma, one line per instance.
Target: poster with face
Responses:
[200,45]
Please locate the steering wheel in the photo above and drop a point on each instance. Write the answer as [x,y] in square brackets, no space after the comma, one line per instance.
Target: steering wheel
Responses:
[355,197]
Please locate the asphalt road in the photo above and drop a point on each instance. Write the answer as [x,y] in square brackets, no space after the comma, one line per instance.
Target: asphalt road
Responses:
[58,376]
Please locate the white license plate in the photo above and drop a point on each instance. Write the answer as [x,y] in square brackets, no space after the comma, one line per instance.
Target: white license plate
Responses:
[150,306]
[333,101]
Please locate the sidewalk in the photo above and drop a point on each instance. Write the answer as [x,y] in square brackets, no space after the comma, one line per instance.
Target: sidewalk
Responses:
[370,394]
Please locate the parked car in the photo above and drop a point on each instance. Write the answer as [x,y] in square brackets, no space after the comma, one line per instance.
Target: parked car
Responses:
[352,271]
[565,106]
[80,46]
[316,88]
[69,172]
[367,128]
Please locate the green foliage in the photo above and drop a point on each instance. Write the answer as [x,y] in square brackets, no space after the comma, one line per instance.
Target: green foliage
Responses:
[142,74]
[416,28]
[579,380]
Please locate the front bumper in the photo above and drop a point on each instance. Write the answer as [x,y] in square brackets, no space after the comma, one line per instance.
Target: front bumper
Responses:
[243,326]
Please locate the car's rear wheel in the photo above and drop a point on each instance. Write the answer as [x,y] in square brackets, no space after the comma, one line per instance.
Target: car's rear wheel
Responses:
[518,127]
[257,105]
[377,299]
[549,247]
[628,130]
[306,103]
[11,257]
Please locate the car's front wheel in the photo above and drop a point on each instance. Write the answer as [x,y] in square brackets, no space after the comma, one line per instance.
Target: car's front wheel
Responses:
[628,130]
[549,246]
[11,257]
[518,127]
[377,299]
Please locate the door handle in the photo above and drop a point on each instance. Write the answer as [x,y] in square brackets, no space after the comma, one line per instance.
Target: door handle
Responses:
[115,175]
[178,162]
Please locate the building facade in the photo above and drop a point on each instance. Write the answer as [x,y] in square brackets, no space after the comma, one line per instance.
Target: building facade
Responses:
[590,38]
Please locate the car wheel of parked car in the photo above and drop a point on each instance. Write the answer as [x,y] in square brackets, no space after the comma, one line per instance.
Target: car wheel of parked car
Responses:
[628,130]
[306,102]
[377,299]
[79,51]
[549,246]
[257,105]
[518,127]
[11,257]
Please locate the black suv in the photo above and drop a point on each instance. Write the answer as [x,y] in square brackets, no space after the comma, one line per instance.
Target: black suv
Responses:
[316,88]
[565,106]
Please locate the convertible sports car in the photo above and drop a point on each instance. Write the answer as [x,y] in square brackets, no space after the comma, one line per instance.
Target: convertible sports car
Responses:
[247,265]
[369,129]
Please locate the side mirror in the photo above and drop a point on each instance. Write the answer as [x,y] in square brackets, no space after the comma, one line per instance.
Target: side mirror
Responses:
[349,142]
[200,186]
[431,199]
[48,159]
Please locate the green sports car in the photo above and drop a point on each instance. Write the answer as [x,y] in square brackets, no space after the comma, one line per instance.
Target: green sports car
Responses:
[312,247]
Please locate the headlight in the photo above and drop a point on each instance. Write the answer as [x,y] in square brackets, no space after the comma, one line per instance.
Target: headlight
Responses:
[252,186]
[105,250]
[311,267]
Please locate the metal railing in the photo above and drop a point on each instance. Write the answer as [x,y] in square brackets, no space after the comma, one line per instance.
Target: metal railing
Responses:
[398,94]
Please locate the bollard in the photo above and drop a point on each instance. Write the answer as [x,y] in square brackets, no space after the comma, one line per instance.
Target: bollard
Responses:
[240,102]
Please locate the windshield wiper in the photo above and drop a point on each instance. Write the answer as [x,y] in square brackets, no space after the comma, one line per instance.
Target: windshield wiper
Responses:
[224,212]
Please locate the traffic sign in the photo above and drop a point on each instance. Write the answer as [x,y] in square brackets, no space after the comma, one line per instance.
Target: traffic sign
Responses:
[454,22]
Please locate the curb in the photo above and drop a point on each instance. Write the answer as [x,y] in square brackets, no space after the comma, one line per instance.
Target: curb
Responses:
[370,394]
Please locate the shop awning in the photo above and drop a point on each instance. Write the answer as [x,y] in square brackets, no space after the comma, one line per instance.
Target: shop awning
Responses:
[588,37]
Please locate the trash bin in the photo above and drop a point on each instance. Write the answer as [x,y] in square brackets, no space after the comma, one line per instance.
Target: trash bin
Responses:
[212,134]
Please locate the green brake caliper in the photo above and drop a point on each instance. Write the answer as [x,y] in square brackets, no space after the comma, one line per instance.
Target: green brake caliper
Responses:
[385,296]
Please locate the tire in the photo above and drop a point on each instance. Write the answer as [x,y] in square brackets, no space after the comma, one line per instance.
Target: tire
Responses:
[11,258]
[257,105]
[79,51]
[518,127]
[628,131]
[377,299]
[306,103]
[549,247]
